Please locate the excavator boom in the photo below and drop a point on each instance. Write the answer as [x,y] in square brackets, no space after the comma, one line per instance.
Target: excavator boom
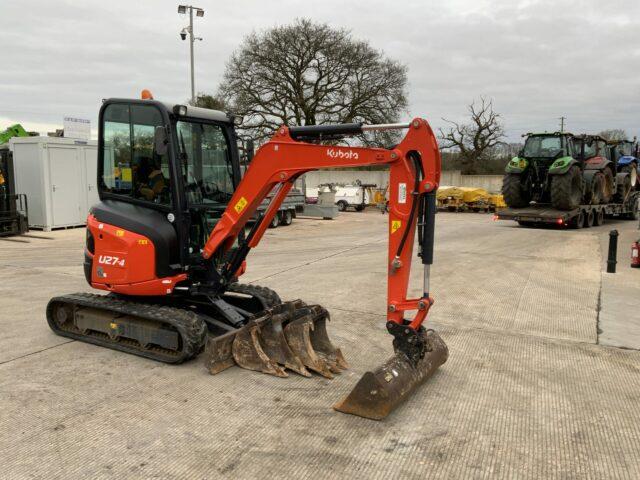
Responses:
[414,177]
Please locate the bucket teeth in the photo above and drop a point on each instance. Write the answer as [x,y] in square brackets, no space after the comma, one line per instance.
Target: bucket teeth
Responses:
[307,336]
[248,351]
[289,336]
[276,346]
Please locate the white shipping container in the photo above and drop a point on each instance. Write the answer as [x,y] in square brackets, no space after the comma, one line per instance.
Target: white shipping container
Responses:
[59,177]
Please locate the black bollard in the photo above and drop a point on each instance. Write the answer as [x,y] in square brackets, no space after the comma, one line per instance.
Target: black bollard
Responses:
[613,251]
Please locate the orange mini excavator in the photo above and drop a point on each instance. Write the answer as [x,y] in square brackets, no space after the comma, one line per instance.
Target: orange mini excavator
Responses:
[177,219]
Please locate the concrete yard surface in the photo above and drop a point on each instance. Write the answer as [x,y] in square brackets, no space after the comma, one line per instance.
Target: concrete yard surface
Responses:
[528,390]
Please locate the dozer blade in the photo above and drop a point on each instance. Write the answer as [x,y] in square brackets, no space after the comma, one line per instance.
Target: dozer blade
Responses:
[288,336]
[307,336]
[379,392]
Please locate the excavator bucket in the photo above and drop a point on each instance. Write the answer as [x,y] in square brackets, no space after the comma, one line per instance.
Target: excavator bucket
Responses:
[379,392]
[291,336]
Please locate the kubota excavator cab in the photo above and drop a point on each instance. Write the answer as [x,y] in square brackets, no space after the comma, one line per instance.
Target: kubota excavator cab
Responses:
[166,172]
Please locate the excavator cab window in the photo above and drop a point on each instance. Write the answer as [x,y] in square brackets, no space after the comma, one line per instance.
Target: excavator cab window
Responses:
[132,168]
[208,177]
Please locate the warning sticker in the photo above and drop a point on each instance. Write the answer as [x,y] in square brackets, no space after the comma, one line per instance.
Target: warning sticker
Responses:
[239,207]
[119,233]
[402,193]
[395,225]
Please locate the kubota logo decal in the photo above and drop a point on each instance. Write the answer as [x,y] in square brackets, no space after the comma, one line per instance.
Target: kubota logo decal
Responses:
[342,154]
[110,260]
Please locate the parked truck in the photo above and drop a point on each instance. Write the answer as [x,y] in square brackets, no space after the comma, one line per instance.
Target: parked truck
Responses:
[567,180]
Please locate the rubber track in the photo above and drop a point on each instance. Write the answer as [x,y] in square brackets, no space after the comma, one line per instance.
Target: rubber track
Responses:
[191,328]
[268,297]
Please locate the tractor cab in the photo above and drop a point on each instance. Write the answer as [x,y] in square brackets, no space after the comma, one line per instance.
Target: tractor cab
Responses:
[548,147]
[166,172]
[592,148]
[625,153]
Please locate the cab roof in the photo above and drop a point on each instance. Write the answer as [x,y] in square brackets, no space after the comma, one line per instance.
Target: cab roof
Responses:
[197,113]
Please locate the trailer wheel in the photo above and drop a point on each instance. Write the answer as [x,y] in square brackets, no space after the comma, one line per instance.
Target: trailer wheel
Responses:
[359,208]
[342,205]
[589,219]
[566,189]
[287,218]
[275,221]
[514,192]
[598,219]
[578,220]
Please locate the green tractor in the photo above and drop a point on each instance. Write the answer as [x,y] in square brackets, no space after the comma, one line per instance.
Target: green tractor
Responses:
[549,169]
[13,131]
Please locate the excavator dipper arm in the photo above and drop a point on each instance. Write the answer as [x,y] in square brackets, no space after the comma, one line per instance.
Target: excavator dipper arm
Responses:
[414,178]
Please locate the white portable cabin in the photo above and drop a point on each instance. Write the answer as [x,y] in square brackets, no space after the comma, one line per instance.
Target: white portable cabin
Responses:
[59,177]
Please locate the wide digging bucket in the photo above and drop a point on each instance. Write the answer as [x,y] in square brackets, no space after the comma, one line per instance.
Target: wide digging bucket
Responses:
[380,392]
[289,336]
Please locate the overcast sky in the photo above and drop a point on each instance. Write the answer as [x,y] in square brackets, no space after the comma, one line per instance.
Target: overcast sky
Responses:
[538,60]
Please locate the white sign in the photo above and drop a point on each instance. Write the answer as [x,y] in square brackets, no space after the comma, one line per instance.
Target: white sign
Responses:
[78,128]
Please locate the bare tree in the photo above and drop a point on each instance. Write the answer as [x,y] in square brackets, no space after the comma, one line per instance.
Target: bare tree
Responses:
[474,140]
[308,73]
[614,134]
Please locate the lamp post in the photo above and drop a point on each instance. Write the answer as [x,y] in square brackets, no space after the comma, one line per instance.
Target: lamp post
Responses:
[182,9]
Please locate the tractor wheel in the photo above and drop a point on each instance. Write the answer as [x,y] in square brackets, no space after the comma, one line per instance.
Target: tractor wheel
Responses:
[514,192]
[342,205]
[609,187]
[593,192]
[632,168]
[566,189]
[635,210]
[622,189]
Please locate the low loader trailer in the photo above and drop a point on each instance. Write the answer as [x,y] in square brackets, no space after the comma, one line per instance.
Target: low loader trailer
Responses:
[583,216]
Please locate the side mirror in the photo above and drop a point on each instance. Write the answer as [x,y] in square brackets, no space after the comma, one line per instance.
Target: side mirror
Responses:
[250,150]
[160,140]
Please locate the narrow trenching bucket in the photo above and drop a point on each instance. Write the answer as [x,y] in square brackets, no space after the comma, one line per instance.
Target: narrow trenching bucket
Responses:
[379,392]
[291,336]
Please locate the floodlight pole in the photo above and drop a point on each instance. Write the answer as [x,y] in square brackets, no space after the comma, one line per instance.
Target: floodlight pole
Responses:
[191,42]
[192,39]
